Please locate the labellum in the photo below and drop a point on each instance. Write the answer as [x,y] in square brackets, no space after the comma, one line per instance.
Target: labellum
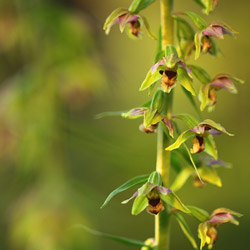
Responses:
[198,144]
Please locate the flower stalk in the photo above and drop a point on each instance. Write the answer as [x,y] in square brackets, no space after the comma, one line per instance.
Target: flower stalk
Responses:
[162,220]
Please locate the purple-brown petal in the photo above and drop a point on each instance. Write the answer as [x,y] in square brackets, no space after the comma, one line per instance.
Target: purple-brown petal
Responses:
[155,67]
[163,190]
[221,218]
[214,30]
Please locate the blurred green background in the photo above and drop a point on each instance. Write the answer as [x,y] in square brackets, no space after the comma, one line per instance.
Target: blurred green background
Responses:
[57,70]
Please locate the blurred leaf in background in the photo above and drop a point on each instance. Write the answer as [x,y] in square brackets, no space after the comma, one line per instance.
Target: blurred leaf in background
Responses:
[50,69]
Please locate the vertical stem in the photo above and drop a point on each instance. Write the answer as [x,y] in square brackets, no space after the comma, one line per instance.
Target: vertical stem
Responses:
[162,220]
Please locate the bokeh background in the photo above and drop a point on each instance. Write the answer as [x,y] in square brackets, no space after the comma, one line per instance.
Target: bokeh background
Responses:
[57,163]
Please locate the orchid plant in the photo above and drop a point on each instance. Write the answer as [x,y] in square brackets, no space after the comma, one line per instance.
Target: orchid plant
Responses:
[197,158]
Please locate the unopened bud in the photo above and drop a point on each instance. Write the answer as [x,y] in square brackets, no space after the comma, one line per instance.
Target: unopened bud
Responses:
[158,101]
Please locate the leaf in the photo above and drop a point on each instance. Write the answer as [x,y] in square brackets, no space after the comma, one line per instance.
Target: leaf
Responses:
[151,78]
[200,74]
[198,213]
[199,22]
[129,184]
[170,50]
[155,178]
[186,230]
[185,80]
[202,233]
[210,147]
[137,5]
[140,203]
[193,163]
[180,140]
[197,41]
[181,179]
[210,175]
[192,101]
[189,120]
[184,30]
[204,96]
[120,239]
[111,18]
[215,125]
[110,113]
[147,27]
[173,200]
[151,117]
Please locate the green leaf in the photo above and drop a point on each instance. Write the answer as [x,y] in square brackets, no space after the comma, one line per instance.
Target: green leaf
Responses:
[210,147]
[215,125]
[110,113]
[199,22]
[185,80]
[210,175]
[186,230]
[204,96]
[189,120]
[140,203]
[170,50]
[200,74]
[192,161]
[180,140]
[184,30]
[181,179]
[151,78]
[214,50]
[147,27]
[155,178]
[129,184]
[137,5]
[197,41]
[192,101]
[114,15]
[173,200]
[198,213]
[151,117]
[158,101]
[123,240]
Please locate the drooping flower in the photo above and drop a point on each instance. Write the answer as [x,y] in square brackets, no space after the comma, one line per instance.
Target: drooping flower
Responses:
[207,170]
[204,38]
[208,91]
[207,5]
[202,139]
[152,114]
[170,70]
[207,230]
[129,20]
[152,195]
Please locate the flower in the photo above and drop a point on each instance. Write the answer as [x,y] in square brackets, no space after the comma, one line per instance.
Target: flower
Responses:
[152,114]
[207,230]
[204,38]
[208,91]
[202,139]
[152,195]
[170,70]
[207,6]
[127,19]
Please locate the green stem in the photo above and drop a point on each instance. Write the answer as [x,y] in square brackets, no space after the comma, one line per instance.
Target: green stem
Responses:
[162,220]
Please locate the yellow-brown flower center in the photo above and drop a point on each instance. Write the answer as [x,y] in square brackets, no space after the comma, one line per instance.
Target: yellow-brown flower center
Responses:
[198,144]
[135,28]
